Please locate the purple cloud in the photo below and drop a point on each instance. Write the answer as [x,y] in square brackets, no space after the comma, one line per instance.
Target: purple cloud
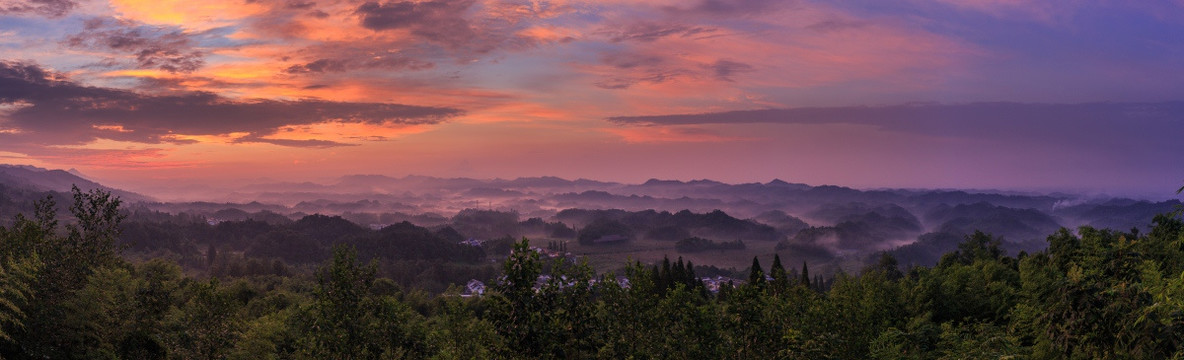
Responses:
[725,69]
[647,31]
[728,7]
[1087,124]
[440,21]
[46,8]
[359,62]
[157,47]
[637,68]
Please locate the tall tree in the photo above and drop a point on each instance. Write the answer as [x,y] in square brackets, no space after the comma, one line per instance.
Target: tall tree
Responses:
[805,275]
[340,314]
[756,277]
[97,230]
[211,255]
[514,306]
[69,261]
[780,277]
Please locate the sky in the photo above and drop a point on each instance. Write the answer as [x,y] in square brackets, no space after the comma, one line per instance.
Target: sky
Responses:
[1077,95]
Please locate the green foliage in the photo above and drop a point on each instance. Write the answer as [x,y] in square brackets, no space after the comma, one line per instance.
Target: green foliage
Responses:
[1101,294]
[16,290]
[977,246]
[59,304]
[756,275]
[885,263]
[347,321]
[515,311]
[862,308]
[268,337]
[208,325]
[780,282]
[974,284]
[977,341]
[519,272]
[805,280]
[92,238]
[690,326]
[457,333]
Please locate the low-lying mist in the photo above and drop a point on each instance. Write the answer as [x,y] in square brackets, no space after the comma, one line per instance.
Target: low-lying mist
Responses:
[709,222]
[831,225]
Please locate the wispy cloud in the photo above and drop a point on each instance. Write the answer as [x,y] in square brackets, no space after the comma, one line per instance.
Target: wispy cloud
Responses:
[672,134]
[465,27]
[647,31]
[47,8]
[160,47]
[307,143]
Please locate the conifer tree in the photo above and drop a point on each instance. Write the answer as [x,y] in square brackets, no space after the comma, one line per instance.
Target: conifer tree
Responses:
[805,275]
[777,271]
[211,255]
[678,273]
[757,276]
[665,283]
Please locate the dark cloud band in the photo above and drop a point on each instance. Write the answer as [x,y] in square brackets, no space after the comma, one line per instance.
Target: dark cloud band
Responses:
[51,110]
[1103,124]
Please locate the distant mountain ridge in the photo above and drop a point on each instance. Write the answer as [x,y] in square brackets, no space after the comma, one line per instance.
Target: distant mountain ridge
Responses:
[815,223]
[38,179]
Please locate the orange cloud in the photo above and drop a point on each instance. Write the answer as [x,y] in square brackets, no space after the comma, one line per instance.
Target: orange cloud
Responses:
[205,139]
[196,15]
[666,134]
[19,159]
[114,128]
[549,33]
[139,159]
[346,132]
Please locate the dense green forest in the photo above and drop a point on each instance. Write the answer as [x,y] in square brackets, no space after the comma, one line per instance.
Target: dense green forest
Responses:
[67,292]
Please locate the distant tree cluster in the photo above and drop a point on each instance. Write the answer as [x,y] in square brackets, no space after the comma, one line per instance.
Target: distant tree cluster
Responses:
[610,226]
[698,244]
[486,224]
[605,231]
[555,230]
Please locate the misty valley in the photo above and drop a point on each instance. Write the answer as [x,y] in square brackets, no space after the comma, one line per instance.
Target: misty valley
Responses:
[370,266]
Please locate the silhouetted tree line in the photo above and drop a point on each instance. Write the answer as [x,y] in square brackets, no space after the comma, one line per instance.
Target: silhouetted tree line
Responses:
[664,225]
[307,240]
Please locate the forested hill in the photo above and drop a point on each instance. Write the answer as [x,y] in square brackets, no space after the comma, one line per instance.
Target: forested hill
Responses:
[718,224]
[35,179]
[68,294]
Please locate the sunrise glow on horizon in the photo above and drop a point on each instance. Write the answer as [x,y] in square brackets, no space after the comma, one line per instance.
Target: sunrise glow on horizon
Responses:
[1001,94]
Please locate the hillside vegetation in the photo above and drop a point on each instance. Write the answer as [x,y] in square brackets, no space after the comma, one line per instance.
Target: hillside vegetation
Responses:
[66,292]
